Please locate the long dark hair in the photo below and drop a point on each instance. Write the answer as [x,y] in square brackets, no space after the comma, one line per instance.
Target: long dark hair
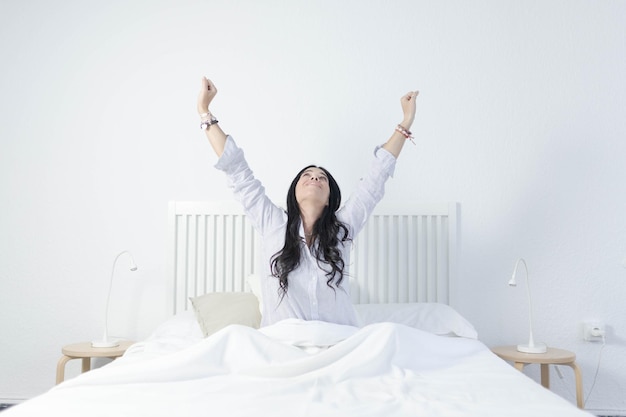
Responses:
[329,231]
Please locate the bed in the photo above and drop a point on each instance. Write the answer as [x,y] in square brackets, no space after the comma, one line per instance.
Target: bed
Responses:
[412,355]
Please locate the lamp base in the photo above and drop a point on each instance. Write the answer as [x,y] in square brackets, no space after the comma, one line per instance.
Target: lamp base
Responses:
[536,348]
[104,344]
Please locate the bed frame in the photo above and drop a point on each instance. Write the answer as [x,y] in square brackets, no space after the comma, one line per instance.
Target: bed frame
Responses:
[406,254]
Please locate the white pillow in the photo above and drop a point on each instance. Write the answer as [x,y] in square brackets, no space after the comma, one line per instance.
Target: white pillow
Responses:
[254,284]
[182,325]
[217,310]
[436,318]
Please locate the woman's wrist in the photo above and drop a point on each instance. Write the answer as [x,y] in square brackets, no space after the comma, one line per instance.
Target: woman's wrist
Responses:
[207,120]
[407,123]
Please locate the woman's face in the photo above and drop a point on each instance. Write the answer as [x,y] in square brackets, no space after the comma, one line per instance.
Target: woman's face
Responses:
[313,186]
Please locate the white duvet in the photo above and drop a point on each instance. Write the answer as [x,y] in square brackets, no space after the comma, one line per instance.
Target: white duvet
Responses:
[296,368]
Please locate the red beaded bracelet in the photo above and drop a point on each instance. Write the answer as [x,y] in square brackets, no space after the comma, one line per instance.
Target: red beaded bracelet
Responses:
[407,134]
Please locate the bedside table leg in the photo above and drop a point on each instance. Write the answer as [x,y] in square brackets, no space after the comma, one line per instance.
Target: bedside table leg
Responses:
[545,375]
[579,384]
[61,368]
[86,364]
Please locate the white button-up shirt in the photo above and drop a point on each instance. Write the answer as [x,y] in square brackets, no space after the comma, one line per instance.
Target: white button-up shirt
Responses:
[308,296]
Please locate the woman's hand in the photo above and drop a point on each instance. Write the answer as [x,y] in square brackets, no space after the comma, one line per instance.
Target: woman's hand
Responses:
[402,132]
[206,95]
[408,108]
[213,132]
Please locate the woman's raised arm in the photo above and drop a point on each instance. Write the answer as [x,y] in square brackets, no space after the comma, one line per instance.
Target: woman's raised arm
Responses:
[402,132]
[208,122]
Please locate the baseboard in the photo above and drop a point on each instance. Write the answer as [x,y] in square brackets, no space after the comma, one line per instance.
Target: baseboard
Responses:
[4,406]
[8,402]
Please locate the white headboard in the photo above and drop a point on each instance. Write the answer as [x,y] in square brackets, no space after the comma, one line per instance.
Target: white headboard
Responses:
[405,254]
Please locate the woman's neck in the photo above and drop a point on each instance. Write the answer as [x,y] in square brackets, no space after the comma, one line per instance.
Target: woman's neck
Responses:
[309,216]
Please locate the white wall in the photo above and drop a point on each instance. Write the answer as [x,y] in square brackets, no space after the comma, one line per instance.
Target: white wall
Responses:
[521,120]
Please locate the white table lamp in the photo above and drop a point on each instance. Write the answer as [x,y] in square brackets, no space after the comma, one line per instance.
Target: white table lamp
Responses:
[105,342]
[531,346]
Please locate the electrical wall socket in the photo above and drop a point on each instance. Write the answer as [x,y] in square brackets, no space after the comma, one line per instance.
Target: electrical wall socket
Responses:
[593,331]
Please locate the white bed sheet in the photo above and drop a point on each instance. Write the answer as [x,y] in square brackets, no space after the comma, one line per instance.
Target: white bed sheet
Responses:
[297,368]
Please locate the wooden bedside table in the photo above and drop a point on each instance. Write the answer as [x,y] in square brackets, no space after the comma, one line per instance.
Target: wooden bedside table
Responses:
[552,357]
[85,351]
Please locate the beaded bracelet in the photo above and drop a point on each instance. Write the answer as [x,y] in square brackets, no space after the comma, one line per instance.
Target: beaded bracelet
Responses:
[407,134]
[208,123]
[207,120]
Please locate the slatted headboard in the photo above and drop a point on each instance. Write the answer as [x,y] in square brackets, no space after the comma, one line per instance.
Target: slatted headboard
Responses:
[405,254]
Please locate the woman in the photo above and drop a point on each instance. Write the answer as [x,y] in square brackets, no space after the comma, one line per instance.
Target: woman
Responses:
[307,248]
